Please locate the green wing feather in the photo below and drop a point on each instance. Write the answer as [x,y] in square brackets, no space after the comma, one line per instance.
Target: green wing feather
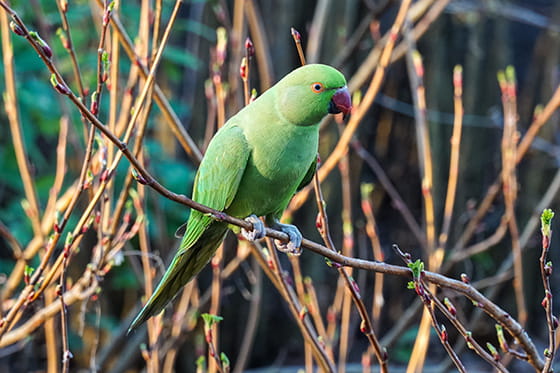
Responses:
[217,179]
[308,175]
[216,184]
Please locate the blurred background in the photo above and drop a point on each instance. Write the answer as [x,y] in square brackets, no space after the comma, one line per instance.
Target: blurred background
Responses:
[200,77]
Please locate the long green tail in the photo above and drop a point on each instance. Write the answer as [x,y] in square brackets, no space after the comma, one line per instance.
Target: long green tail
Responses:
[183,268]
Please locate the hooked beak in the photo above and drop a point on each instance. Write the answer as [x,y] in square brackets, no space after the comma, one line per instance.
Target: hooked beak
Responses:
[340,102]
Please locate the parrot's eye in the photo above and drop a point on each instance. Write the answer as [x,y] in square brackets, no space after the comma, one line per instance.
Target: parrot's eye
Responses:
[317,87]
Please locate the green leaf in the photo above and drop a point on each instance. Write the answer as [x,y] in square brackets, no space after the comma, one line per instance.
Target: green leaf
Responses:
[491,348]
[201,363]
[546,219]
[225,360]
[417,268]
[28,271]
[210,319]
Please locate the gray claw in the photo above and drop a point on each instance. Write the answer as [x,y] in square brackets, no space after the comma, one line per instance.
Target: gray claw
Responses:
[294,246]
[258,231]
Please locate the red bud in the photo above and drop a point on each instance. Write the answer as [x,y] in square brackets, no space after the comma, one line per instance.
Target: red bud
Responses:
[243,69]
[296,35]
[319,222]
[249,47]
[363,327]
[16,29]
[94,107]
[444,335]
[302,313]
[331,315]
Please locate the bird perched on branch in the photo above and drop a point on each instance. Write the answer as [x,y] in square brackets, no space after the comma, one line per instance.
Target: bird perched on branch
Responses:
[252,167]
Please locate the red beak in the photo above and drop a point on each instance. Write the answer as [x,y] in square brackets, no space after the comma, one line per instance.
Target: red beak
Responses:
[340,102]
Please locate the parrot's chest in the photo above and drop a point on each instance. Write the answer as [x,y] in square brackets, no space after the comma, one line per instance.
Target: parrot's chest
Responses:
[274,171]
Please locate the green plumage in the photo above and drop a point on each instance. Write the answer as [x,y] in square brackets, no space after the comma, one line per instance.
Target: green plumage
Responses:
[253,165]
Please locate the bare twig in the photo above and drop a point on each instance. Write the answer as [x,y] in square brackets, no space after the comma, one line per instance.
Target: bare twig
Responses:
[546,271]
[172,119]
[66,38]
[252,318]
[371,230]
[434,255]
[509,182]
[448,309]
[539,121]
[31,206]
[365,326]
[391,189]
[454,158]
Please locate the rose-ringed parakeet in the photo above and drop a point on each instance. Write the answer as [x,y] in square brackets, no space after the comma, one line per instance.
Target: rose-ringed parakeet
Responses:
[252,167]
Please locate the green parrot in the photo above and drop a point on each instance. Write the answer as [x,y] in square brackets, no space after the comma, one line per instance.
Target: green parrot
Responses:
[252,167]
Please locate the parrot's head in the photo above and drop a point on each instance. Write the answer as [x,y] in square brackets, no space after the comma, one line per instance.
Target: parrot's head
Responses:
[310,92]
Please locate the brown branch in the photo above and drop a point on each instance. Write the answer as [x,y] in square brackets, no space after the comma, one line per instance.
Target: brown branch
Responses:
[365,326]
[258,35]
[371,231]
[391,189]
[539,121]
[252,318]
[434,255]
[10,102]
[69,45]
[454,158]
[547,303]
[171,117]
[429,10]
[509,181]
[83,289]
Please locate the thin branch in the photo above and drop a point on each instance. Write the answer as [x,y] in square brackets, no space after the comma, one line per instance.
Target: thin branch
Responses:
[365,326]
[454,158]
[547,303]
[31,207]
[509,181]
[176,127]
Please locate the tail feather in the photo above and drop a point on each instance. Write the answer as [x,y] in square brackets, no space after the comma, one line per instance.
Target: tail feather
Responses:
[184,267]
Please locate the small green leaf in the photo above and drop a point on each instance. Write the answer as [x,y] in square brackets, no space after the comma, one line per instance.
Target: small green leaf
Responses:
[225,360]
[491,348]
[210,319]
[106,61]
[201,363]
[417,268]
[510,74]
[546,219]
[366,189]
[501,338]
[54,80]
[493,351]
[69,239]
[28,271]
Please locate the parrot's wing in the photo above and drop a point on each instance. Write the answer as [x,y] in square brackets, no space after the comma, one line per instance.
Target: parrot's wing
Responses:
[221,171]
[218,178]
[308,175]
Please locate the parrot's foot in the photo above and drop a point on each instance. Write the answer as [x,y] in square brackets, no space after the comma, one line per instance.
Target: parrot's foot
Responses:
[294,246]
[258,231]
